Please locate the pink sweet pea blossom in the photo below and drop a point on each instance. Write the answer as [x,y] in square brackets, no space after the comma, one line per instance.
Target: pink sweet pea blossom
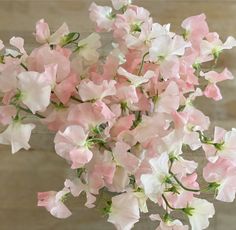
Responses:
[43,34]
[6,114]
[134,79]
[223,173]
[212,90]
[17,135]
[53,202]
[76,187]
[196,29]
[200,211]
[18,42]
[71,145]
[91,91]
[226,148]
[124,211]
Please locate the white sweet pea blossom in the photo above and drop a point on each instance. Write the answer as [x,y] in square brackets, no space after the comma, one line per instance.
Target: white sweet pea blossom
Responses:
[154,183]
[87,48]
[134,79]
[1,45]
[118,4]
[35,92]
[216,46]
[17,135]
[164,47]
[124,211]
[168,224]
[199,211]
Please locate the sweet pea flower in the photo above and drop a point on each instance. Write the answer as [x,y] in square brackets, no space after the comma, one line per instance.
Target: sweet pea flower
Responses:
[118,4]
[124,211]
[1,45]
[134,79]
[76,187]
[87,48]
[43,34]
[90,115]
[168,224]
[44,56]
[53,202]
[7,112]
[18,42]
[35,92]
[212,90]
[72,145]
[17,135]
[154,183]
[88,90]
[123,158]
[164,48]
[225,145]
[102,16]
[213,46]
[223,174]
[199,211]
[169,100]
[196,29]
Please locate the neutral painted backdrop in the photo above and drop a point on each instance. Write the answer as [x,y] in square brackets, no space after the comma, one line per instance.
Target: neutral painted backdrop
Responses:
[40,169]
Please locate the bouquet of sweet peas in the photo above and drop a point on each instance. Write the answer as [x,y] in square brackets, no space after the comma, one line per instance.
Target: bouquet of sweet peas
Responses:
[124,122]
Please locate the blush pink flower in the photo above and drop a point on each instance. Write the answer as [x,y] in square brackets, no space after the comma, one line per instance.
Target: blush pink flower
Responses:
[53,202]
[124,158]
[18,42]
[43,34]
[71,145]
[223,173]
[212,90]
[7,112]
[43,56]
[169,100]
[124,211]
[17,135]
[88,90]
[76,187]
[226,145]
[134,79]
[196,29]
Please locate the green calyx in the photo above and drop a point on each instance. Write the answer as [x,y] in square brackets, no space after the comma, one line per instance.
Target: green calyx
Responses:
[107,209]
[213,187]
[189,211]
[70,38]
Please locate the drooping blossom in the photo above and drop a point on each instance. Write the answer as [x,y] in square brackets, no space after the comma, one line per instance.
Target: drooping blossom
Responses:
[124,211]
[17,135]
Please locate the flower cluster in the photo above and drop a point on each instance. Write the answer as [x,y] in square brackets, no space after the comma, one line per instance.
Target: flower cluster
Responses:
[124,122]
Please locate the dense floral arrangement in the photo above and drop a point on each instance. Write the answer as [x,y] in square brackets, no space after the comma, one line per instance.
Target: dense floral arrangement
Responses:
[124,122]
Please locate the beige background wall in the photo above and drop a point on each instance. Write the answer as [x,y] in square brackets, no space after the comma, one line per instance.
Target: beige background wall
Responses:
[26,173]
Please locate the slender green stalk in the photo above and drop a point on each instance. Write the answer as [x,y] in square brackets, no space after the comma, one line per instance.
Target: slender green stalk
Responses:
[142,63]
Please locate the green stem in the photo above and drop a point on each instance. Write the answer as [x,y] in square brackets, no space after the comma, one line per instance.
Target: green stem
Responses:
[169,206]
[142,64]
[29,111]
[76,99]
